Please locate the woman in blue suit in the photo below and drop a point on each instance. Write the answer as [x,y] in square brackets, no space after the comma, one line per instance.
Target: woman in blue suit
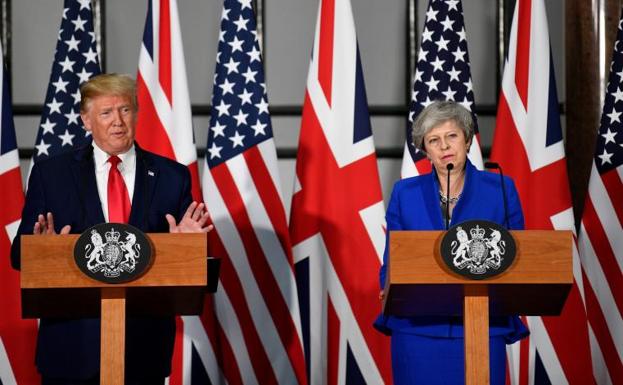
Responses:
[429,349]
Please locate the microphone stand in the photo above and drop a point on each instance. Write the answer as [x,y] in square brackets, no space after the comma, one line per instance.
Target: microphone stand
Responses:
[493,165]
[449,168]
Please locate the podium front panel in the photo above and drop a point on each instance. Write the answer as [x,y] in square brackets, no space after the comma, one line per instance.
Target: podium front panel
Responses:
[419,282]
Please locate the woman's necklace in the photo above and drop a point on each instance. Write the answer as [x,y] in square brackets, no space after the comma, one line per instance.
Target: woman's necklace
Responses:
[445,199]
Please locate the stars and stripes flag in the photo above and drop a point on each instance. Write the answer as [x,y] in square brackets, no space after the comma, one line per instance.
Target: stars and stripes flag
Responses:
[164,126]
[337,216]
[601,233]
[75,61]
[442,73]
[528,144]
[17,336]
[258,337]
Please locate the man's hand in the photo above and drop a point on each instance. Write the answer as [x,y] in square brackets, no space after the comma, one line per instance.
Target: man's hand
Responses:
[45,225]
[193,221]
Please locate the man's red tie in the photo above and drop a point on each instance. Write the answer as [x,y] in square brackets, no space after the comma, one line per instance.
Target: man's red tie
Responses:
[118,198]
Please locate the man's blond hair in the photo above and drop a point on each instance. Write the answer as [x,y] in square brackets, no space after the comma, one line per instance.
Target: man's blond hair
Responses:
[108,85]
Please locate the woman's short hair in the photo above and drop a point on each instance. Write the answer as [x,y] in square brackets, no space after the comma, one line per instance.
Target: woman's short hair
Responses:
[108,85]
[437,113]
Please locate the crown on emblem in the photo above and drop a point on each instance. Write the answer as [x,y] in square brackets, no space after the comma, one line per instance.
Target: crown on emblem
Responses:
[113,236]
[477,232]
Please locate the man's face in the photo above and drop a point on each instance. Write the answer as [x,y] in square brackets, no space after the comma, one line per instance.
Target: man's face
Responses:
[111,119]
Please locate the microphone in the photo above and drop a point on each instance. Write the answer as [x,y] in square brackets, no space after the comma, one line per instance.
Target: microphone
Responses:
[493,165]
[449,167]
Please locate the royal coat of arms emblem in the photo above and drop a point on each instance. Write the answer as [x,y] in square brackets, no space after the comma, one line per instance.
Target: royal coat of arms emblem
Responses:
[478,249]
[117,256]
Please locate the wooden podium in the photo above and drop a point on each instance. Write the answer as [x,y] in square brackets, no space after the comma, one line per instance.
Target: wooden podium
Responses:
[53,286]
[537,283]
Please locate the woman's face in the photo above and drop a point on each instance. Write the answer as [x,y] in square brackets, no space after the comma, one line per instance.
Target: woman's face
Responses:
[445,144]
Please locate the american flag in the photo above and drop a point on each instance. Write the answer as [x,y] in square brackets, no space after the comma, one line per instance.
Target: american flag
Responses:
[601,234]
[17,336]
[442,73]
[164,126]
[258,337]
[75,61]
[528,144]
[337,216]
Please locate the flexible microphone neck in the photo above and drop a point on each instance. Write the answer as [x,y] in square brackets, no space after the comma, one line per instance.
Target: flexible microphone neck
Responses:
[496,166]
[449,168]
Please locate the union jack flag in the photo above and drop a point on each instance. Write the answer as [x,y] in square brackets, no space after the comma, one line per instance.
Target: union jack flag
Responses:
[337,217]
[442,73]
[164,126]
[164,123]
[601,234]
[257,337]
[17,336]
[75,61]
[528,144]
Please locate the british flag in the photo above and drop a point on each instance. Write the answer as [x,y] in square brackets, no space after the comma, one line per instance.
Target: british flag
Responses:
[442,73]
[528,144]
[17,336]
[164,126]
[257,337]
[75,61]
[164,123]
[337,213]
[601,234]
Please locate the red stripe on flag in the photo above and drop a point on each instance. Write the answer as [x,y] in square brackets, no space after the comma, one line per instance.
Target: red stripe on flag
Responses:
[333,348]
[196,184]
[165,72]
[150,133]
[604,253]
[524,358]
[602,334]
[423,166]
[522,65]
[612,183]
[325,47]
[177,367]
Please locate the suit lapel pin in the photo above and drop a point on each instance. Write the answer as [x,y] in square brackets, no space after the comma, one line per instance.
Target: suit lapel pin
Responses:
[150,173]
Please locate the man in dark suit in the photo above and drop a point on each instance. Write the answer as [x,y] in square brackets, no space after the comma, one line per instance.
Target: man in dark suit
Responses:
[110,180]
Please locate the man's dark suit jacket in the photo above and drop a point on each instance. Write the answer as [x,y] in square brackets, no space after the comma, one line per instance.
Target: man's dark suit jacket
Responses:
[66,186]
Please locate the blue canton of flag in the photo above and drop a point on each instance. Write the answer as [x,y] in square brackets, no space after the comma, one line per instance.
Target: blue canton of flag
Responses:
[240,116]
[442,71]
[75,61]
[609,150]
